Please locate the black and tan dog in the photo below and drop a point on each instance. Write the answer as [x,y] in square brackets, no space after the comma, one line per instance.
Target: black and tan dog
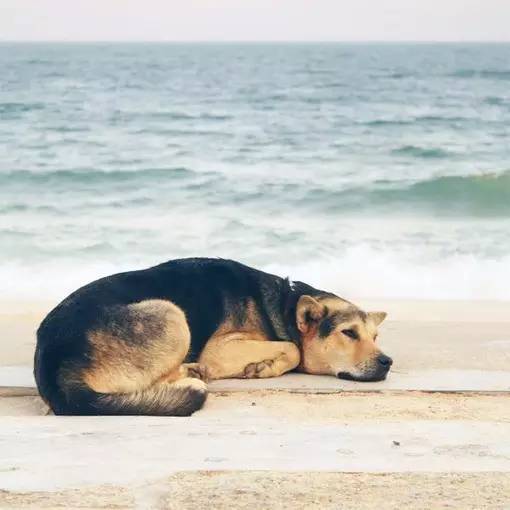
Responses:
[144,342]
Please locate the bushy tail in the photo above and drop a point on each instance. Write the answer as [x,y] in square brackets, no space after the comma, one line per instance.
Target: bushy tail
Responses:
[180,398]
[66,394]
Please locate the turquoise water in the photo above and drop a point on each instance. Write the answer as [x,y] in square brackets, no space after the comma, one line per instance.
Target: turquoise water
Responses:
[371,170]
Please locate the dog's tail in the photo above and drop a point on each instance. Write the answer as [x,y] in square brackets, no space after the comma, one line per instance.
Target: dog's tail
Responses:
[58,377]
[67,394]
[179,398]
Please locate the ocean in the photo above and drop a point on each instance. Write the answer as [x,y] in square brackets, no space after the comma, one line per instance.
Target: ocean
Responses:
[371,170]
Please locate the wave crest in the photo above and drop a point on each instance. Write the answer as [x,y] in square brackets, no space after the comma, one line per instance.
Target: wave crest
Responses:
[421,152]
[93,176]
[481,195]
[496,74]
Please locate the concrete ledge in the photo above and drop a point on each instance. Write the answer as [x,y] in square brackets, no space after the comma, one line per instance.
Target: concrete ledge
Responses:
[54,452]
[18,391]
[419,380]
[19,381]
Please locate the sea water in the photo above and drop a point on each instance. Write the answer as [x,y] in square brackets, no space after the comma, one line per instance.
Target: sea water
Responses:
[378,170]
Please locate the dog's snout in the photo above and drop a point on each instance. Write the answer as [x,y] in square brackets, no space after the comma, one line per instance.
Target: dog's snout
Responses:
[384,361]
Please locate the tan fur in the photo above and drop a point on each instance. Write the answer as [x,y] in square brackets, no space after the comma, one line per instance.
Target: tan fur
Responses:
[149,369]
[336,304]
[242,350]
[179,398]
[252,324]
[239,355]
[190,382]
[336,352]
[308,309]
[177,373]
[121,365]
[196,370]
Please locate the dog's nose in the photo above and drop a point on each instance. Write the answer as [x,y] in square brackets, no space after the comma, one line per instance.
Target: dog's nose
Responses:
[384,361]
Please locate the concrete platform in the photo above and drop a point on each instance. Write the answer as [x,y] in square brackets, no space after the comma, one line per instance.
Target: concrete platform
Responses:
[435,434]
[52,452]
[420,380]
[19,381]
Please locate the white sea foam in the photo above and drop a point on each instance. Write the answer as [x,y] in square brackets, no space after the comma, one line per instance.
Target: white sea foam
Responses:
[360,272]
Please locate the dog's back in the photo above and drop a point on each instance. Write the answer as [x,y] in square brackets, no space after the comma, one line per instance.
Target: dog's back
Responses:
[74,365]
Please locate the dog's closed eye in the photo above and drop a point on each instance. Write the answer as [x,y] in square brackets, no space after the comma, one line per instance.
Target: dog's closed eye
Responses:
[351,333]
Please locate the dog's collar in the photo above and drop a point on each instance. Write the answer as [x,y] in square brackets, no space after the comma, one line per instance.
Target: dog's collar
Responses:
[290,298]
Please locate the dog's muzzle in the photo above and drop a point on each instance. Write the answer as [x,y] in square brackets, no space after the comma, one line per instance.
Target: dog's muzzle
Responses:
[377,373]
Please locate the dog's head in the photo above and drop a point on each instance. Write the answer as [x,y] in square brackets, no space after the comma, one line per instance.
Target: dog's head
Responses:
[337,338]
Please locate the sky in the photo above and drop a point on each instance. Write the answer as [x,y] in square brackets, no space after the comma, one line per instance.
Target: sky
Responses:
[255,20]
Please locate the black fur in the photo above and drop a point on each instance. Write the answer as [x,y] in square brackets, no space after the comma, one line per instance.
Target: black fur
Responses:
[208,290]
[326,326]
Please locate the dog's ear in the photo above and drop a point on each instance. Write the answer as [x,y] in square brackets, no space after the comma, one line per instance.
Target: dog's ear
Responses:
[308,313]
[377,317]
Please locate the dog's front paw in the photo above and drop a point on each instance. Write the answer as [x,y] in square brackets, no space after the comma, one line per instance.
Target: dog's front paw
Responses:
[197,371]
[256,370]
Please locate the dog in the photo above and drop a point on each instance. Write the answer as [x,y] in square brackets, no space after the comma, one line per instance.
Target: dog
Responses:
[145,342]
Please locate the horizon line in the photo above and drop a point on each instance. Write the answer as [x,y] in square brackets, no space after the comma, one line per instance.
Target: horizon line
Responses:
[256,41]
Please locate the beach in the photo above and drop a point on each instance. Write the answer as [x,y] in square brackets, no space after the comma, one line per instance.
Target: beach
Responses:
[374,171]
[434,435]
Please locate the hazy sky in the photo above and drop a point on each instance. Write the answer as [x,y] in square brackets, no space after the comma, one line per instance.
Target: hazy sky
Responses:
[248,20]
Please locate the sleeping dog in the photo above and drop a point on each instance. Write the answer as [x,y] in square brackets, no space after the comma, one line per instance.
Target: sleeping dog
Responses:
[145,342]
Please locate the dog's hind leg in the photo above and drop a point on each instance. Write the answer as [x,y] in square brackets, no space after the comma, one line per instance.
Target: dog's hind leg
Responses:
[235,355]
[135,367]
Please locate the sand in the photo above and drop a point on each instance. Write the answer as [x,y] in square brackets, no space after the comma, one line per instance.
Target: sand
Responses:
[328,408]
[284,490]
[422,337]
